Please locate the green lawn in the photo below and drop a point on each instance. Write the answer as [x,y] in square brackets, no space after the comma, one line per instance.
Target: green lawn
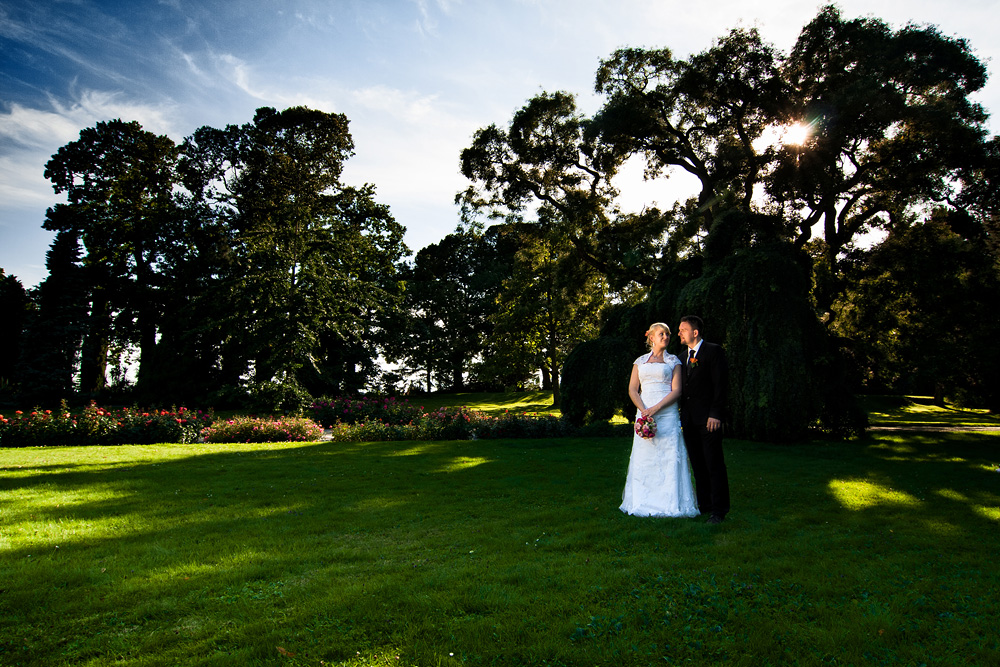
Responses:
[919,411]
[877,552]
[537,402]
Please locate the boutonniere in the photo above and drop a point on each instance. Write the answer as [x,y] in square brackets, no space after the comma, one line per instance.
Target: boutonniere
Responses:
[693,362]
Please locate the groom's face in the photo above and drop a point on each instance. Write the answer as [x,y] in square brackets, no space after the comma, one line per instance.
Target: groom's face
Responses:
[686,334]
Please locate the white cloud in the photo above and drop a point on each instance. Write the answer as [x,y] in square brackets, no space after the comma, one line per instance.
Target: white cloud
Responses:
[24,188]
[407,107]
[31,136]
[237,72]
[36,128]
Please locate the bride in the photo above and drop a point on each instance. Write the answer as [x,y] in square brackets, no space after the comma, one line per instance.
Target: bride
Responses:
[658,482]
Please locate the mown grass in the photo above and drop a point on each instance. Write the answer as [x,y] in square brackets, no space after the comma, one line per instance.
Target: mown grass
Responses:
[877,552]
[524,402]
[920,411]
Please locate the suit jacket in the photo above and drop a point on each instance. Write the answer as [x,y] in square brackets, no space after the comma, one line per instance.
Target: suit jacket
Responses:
[704,386]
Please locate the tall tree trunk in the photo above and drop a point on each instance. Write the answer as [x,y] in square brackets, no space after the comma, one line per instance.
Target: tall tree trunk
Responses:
[546,378]
[556,394]
[96,343]
[939,394]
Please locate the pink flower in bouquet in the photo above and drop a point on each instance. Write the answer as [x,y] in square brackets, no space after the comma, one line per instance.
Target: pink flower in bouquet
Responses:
[645,427]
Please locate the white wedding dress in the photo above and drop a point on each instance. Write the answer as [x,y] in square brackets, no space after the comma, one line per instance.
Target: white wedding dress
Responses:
[658,482]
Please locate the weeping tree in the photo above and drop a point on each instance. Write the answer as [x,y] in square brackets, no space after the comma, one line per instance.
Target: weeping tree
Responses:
[785,370]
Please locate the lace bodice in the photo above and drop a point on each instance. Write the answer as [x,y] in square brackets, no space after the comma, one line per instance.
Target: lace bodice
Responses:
[655,378]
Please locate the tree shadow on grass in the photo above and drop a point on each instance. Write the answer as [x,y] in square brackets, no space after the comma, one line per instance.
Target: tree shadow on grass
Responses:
[255,532]
[333,547]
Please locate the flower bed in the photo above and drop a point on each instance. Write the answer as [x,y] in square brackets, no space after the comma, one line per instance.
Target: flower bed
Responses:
[99,426]
[349,420]
[345,410]
[271,429]
[454,424]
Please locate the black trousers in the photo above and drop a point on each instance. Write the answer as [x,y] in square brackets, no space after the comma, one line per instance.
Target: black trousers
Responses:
[711,481]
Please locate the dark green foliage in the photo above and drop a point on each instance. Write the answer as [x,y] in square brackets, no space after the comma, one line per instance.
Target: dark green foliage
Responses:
[14,304]
[56,327]
[595,380]
[755,302]
[921,308]
[281,395]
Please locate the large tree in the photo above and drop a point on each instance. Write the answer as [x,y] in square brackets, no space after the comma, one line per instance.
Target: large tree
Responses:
[451,291]
[549,156]
[119,183]
[891,126]
[309,260]
[919,308]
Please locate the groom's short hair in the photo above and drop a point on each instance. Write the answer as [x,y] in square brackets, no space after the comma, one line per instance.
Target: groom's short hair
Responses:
[695,323]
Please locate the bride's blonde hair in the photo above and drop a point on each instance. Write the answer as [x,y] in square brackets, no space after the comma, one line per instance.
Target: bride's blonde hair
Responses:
[653,327]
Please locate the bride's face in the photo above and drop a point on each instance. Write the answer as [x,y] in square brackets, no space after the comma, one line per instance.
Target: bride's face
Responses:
[659,339]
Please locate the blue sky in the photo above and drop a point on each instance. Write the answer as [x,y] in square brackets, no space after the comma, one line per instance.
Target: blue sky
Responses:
[416,78]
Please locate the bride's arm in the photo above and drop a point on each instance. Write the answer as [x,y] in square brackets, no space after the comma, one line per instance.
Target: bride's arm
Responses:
[633,389]
[672,397]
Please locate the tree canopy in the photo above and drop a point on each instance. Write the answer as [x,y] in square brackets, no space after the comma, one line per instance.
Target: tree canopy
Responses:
[241,268]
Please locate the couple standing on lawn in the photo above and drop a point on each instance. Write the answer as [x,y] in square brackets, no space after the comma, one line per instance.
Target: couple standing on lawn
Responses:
[658,482]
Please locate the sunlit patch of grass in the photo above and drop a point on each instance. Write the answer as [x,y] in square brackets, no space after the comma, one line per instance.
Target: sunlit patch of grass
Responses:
[860,494]
[463,462]
[921,411]
[412,449]
[991,513]
[942,527]
[952,494]
[521,402]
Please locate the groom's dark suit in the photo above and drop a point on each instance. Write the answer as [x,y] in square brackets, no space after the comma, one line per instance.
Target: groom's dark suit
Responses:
[705,385]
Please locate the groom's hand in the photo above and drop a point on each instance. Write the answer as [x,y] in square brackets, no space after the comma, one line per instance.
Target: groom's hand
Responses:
[713,424]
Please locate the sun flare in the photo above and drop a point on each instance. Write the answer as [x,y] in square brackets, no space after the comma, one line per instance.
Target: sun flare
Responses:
[796,134]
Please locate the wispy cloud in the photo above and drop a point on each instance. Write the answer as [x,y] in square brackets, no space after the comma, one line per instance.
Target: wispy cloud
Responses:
[30,136]
[407,107]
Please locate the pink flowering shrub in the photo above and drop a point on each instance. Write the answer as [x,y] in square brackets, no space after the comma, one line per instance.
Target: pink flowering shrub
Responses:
[346,410]
[269,429]
[100,426]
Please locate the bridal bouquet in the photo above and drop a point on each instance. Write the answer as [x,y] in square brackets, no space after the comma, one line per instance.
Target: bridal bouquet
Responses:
[645,427]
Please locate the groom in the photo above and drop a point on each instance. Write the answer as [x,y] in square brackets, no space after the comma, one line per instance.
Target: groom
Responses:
[703,405]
